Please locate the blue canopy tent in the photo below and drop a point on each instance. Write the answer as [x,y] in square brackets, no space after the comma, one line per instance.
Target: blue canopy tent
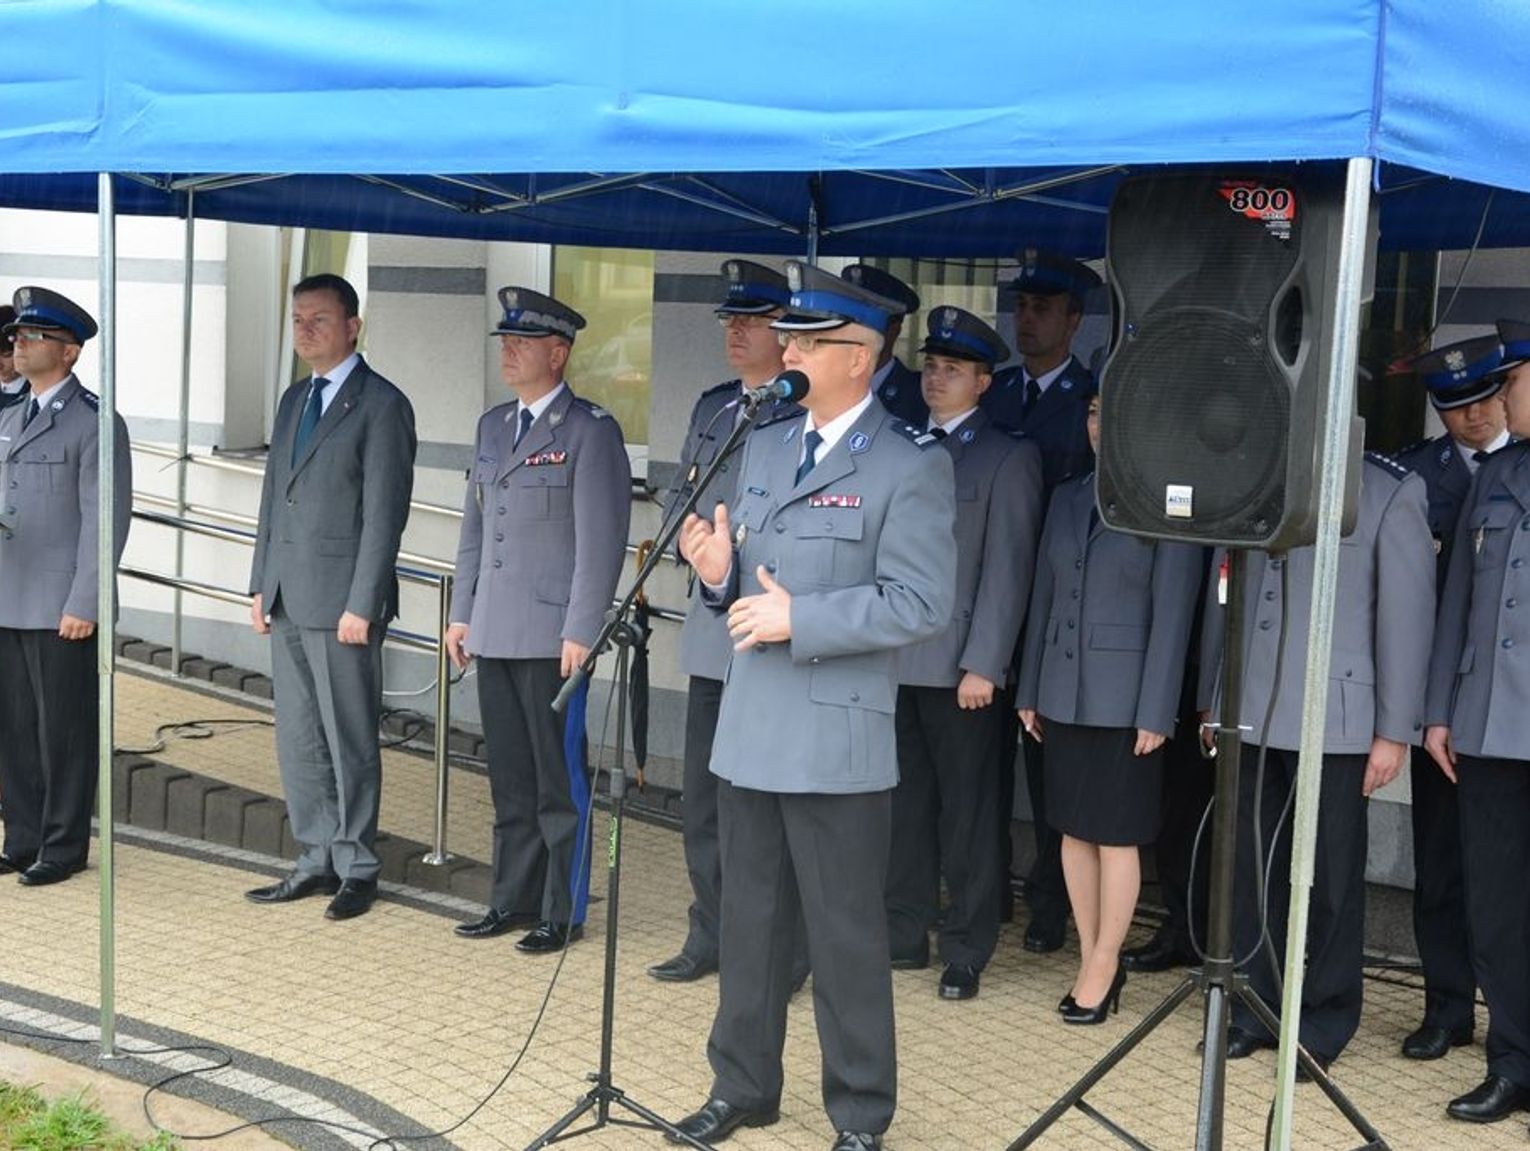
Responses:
[858,127]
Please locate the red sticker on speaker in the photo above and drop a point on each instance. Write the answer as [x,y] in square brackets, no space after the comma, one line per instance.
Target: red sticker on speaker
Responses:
[1274,207]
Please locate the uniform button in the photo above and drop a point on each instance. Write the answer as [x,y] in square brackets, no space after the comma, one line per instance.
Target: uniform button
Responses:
[1524,525]
[504,483]
[1266,624]
[1068,653]
[1512,602]
[1508,643]
[1269,595]
[780,527]
[815,659]
[501,509]
[1078,563]
[1074,593]
[855,697]
[1349,674]
[828,525]
[499,563]
[499,537]
[1070,625]
[1516,563]
[290,503]
[770,566]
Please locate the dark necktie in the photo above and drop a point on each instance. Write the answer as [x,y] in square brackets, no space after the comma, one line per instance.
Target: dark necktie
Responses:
[522,427]
[939,432]
[1032,396]
[32,410]
[1480,454]
[312,410]
[810,442]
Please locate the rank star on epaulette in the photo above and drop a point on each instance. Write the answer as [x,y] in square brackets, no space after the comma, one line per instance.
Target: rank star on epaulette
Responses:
[542,458]
[834,501]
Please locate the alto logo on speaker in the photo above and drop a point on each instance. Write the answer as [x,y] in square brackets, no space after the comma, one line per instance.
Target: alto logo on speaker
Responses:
[1179,501]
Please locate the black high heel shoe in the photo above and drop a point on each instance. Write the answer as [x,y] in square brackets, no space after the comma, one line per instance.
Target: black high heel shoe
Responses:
[1067,1003]
[1080,1014]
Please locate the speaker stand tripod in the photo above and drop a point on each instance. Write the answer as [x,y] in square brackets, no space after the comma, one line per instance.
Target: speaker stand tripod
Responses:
[1217,978]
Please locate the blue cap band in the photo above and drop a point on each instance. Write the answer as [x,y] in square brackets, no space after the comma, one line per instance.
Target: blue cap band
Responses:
[833,304]
[1447,380]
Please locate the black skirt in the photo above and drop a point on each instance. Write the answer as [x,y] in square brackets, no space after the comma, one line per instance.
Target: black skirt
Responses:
[1097,790]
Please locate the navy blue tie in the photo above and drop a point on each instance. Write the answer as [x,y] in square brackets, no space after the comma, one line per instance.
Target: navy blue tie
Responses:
[810,442]
[523,427]
[1032,396]
[312,410]
[32,410]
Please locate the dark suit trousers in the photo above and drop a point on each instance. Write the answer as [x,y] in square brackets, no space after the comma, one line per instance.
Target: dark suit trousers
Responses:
[1333,988]
[48,728]
[1495,832]
[823,857]
[702,860]
[328,699]
[1439,898]
[540,790]
[943,821]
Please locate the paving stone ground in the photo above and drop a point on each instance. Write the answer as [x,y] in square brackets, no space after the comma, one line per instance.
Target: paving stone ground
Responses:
[394,1007]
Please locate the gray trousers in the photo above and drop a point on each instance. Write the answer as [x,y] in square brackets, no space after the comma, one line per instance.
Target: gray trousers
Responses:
[822,858]
[328,705]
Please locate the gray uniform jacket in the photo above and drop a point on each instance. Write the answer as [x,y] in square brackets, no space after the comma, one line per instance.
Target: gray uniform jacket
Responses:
[331,520]
[1109,621]
[865,547]
[705,646]
[998,519]
[48,478]
[1479,675]
[1446,480]
[1382,626]
[544,530]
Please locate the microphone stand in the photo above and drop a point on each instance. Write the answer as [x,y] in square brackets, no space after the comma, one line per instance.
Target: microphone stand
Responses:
[619,629]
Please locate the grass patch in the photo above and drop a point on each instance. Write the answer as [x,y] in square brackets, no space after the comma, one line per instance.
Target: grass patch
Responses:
[30,1122]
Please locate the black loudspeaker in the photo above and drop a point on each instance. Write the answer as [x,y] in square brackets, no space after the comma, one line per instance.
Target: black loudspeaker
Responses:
[1212,398]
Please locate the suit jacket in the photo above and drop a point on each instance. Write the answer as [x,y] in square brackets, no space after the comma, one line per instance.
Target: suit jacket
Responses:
[544,530]
[865,547]
[1058,423]
[998,520]
[1109,621]
[1382,626]
[705,646]
[901,394]
[49,478]
[1479,673]
[1447,480]
[331,520]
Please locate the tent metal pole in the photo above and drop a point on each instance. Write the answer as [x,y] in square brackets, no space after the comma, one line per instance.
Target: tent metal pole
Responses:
[183,427]
[1332,461]
[106,606]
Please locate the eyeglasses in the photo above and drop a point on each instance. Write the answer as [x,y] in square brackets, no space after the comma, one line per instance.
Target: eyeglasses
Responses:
[807,341]
[33,335]
[733,320]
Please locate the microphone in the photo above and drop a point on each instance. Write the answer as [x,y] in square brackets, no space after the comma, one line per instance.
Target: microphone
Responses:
[790,386]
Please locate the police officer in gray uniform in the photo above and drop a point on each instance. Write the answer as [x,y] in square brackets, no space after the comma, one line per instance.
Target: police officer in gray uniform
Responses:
[895,383]
[332,512]
[944,817]
[13,385]
[1463,380]
[1381,635]
[48,568]
[756,295]
[1478,714]
[544,536]
[838,551]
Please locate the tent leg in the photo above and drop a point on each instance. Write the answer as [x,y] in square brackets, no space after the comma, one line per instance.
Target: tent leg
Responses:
[106,606]
[183,429]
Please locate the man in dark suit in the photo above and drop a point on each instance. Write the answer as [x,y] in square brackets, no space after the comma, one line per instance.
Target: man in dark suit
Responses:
[944,819]
[894,382]
[332,512]
[756,295]
[48,569]
[1463,382]
[1384,603]
[1047,398]
[544,536]
[838,552]
[1478,716]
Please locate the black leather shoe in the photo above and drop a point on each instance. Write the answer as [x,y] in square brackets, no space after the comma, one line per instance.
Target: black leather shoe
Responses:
[495,923]
[13,866]
[354,898]
[1155,956]
[682,969]
[546,937]
[1494,1099]
[1241,1044]
[718,1119]
[45,872]
[295,886]
[1431,1042]
[1076,1013]
[1044,937]
[856,1141]
[959,981]
[916,960]
[1066,1003]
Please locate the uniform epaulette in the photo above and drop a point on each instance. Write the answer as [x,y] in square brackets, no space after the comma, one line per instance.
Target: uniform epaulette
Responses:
[1388,464]
[778,417]
[1416,446]
[91,400]
[592,407]
[918,435]
[725,386]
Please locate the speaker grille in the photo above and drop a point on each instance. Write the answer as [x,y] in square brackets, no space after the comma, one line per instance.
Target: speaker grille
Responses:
[1194,400]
